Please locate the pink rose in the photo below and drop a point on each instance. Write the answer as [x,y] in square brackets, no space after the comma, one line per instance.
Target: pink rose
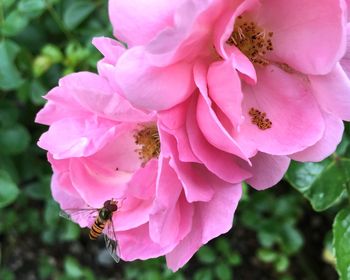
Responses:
[263,69]
[200,135]
[100,147]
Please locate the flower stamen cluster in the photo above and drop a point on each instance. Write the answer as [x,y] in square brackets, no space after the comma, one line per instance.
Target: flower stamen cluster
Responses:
[259,118]
[148,139]
[252,40]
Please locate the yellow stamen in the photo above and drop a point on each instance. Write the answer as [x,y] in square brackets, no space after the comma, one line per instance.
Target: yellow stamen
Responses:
[148,139]
[252,40]
[259,119]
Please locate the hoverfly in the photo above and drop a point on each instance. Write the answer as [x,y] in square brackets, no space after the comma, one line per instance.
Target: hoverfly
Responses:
[102,220]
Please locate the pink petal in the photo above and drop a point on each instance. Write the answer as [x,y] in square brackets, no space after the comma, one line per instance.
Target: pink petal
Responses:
[137,22]
[193,176]
[333,92]
[244,66]
[76,137]
[137,244]
[225,90]
[165,219]
[95,184]
[222,32]
[328,143]
[106,174]
[149,87]
[219,212]
[64,192]
[132,214]
[173,121]
[207,120]
[59,106]
[220,163]
[309,35]
[94,94]
[143,182]
[120,155]
[61,188]
[287,100]
[267,170]
[58,166]
[183,146]
[111,49]
[345,61]
[190,36]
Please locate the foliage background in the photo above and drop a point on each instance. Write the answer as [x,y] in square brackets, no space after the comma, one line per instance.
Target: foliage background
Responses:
[277,234]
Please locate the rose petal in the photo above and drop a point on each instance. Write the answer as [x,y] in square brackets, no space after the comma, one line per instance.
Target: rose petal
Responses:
[289,104]
[220,163]
[150,87]
[225,90]
[205,216]
[165,218]
[328,143]
[137,244]
[137,22]
[207,120]
[309,35]
[111,49]
[76,137]
[333,92]
[267,170]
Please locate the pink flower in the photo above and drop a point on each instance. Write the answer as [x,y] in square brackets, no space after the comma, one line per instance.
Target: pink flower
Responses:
[199,134]
[263,68]
[209,94]
[172,201]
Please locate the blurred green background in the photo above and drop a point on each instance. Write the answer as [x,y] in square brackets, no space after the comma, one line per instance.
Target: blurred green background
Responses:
[296,230]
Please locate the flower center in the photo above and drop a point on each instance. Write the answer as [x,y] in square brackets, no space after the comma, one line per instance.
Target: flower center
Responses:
[252,40]
[260,119]
[148,139]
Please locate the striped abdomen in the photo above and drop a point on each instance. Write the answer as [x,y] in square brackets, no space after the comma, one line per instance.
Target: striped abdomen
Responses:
[97,228]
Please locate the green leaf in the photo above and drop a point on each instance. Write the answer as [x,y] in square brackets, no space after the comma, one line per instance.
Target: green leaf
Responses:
[6,274]
[37,91]
[322,183]
[223,246]
[51,214]
[223,272]
[203,274]
[6,4]
[7,164]
[71,232]
[8,189]
[292,240]
[266,255]
[39,190]
[40,65]
[8,113]
[9,75]
[31,8]
[267,238]
[73,268]
[53,52]
[206,255]
[341,243]
[14,140]
[234,259]
[76,12]
[282,263]
[14,23]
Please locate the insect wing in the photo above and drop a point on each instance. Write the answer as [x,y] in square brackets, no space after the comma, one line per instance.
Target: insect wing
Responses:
[79,214]
[112,245]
